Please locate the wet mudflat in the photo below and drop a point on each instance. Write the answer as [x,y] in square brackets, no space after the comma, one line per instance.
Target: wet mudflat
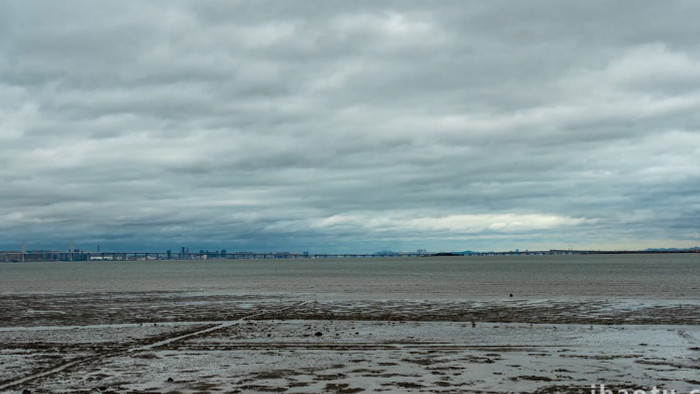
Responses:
[199,342]
[352,325]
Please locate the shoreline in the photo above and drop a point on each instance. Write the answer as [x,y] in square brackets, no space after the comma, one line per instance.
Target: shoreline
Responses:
[79,309]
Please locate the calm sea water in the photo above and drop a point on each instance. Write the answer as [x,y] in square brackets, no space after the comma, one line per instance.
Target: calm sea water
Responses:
[651,276]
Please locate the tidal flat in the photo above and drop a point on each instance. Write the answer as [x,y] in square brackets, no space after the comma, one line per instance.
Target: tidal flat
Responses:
[172,342]
[199,333]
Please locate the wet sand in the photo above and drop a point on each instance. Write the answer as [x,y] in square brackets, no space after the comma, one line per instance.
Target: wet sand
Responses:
[198,342]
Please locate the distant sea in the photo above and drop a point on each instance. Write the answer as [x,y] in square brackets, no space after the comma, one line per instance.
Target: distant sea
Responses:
[640,277]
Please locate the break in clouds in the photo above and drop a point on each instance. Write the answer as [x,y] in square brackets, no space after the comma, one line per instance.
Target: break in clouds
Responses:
[349,126]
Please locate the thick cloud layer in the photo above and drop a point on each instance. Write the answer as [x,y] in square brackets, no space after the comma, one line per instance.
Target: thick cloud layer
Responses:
[349,126]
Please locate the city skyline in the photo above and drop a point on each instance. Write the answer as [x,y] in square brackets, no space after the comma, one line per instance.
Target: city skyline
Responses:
[350,126]
[79,255]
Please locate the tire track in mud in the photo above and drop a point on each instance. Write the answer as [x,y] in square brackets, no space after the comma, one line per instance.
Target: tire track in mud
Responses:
[172,338]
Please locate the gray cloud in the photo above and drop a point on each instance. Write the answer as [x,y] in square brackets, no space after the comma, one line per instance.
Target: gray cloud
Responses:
[349,126]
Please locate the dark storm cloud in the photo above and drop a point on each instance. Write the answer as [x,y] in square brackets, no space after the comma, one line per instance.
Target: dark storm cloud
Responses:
[349,125]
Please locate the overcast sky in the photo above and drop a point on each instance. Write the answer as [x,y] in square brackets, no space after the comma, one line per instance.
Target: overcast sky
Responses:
[349,126]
